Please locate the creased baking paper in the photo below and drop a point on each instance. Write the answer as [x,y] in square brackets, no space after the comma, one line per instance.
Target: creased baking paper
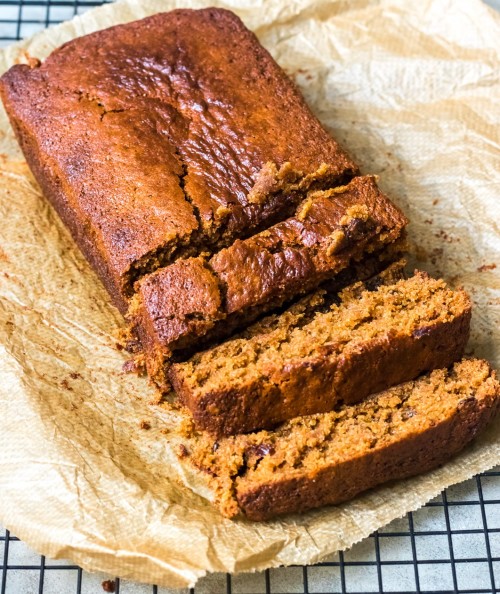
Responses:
[412,89]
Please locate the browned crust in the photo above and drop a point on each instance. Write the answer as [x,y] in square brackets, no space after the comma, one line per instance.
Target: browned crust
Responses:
[142,158]
[54,188]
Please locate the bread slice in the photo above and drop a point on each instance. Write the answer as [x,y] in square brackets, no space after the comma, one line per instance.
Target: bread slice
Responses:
[341,353]
[178,305]
[328,458]
[165,137]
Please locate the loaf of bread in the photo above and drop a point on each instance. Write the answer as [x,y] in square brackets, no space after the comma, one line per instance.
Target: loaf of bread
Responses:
[197,297]
[166,137]
[335,353]
[205,194]
[328,458]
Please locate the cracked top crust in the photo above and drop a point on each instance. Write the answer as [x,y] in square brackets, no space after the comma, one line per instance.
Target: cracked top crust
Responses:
[167,136]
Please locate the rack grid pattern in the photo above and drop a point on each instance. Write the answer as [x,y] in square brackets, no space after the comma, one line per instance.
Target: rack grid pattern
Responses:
[450,546]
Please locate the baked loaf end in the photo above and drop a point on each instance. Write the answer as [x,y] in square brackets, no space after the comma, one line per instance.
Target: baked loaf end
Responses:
[329,458]
[338,353]
[151,151]
[330,231]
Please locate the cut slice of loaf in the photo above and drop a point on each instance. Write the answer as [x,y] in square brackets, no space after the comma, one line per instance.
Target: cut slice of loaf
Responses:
[338,353]
[181,304]
[328,458]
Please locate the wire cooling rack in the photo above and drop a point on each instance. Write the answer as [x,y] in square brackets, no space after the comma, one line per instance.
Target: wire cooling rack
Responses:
[450,546]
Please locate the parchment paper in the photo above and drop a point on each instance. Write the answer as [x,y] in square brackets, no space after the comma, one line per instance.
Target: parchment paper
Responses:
[412,90]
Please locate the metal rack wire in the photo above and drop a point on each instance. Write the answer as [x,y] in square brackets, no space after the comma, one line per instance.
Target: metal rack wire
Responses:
[451,546]
[25,17]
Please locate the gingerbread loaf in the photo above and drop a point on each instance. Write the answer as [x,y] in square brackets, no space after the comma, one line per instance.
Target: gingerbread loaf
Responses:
[329,458]
[204,297]
[337,353]
[167,137]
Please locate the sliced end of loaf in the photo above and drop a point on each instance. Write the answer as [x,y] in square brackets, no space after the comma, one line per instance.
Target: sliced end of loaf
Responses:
[328,458]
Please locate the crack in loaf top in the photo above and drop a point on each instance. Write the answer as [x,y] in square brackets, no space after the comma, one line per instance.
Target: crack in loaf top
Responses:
[178,129]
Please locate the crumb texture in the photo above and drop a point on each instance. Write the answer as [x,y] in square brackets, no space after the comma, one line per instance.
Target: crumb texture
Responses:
[328,458]
[318,354]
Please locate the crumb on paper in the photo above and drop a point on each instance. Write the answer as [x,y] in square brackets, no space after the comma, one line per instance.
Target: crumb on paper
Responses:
[182,451]
[157,400]
[26,58]
[109,585]
[436,255]
[129,366]
[447,237]
[486,267]
[135,365]
[145,425]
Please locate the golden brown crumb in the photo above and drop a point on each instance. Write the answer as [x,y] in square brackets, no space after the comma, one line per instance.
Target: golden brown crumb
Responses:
[186,427]
[304,208]
[109,586]
[145,425]
[222,212]
[357,211]
[337,238]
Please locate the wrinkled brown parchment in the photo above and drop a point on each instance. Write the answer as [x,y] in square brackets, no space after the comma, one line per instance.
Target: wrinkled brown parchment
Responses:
[412,89]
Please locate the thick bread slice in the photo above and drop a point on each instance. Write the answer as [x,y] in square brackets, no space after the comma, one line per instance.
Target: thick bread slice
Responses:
[328,458]
[354,348]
